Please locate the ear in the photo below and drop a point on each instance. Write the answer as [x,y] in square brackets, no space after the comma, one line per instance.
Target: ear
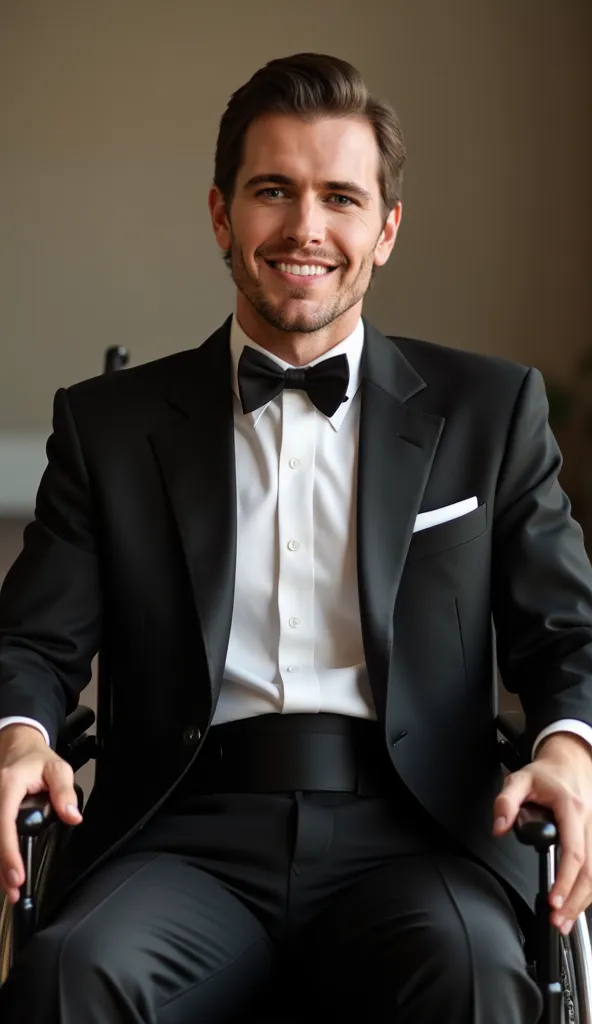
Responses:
[388,236]
[220,222]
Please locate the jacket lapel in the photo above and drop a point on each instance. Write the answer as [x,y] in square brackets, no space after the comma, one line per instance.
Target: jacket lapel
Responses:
[396,449]
[195,451]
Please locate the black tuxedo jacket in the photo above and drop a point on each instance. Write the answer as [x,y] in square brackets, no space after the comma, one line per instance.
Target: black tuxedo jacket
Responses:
[133,550]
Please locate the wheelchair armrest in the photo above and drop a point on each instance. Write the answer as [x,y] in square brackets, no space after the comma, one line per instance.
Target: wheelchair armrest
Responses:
[511,725]
[74,744]
[74,728]
[511,748]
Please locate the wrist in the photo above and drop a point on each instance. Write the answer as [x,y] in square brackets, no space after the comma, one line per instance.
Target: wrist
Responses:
[19,732]
[561,745]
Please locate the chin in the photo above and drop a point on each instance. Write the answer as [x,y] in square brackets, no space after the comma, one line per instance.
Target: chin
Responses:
[298,321]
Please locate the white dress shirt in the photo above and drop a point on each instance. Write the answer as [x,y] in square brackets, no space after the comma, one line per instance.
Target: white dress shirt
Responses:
[295,640]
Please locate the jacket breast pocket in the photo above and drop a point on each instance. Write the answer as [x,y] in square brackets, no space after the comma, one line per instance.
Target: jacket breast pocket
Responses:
[448,535]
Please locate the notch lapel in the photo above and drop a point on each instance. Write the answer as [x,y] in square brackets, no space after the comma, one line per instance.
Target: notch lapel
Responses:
[396,449]
[195,453]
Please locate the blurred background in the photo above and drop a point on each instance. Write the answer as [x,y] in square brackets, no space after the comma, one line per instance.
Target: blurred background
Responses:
[108,121]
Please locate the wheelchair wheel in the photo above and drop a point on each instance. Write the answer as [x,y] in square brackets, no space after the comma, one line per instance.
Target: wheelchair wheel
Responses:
[576,974]
[5,938]
[571,1013]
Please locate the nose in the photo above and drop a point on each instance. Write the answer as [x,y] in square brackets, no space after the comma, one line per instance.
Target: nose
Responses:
[305,223]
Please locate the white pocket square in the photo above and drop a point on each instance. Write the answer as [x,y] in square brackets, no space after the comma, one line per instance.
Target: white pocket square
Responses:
[442,515]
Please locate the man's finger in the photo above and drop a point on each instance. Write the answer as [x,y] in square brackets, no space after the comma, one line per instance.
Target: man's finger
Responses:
[59,778]
[579,899]
[516,791]
[580,896]
[573,855]
[13,788]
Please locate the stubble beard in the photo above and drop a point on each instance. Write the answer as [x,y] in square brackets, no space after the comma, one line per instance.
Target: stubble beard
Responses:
[303,322]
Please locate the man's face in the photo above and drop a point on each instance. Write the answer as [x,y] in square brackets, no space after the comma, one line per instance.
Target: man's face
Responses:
[306,224]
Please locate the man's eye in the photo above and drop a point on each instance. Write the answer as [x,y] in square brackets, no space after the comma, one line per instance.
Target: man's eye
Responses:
[267,192]
[342,200]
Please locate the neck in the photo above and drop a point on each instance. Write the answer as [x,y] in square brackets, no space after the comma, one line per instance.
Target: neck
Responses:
[296,348]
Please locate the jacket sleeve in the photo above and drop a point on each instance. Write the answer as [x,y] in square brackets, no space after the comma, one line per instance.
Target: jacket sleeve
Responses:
[542,579]
[50,603]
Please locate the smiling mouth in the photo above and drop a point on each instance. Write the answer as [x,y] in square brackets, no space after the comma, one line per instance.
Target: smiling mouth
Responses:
[306,271]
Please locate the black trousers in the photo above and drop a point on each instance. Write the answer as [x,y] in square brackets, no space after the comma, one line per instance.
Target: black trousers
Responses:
[350,905]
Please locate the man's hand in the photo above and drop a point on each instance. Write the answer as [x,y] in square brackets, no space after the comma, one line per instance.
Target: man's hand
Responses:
[27,766]
[559,778]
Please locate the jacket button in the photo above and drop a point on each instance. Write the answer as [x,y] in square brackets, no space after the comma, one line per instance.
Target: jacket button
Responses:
[191,735]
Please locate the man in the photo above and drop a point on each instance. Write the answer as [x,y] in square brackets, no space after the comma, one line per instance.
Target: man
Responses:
[292,573]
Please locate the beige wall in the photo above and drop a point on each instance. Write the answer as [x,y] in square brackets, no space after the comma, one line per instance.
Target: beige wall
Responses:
[107,130]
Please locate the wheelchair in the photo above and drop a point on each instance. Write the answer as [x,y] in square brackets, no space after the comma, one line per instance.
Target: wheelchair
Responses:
[562,966]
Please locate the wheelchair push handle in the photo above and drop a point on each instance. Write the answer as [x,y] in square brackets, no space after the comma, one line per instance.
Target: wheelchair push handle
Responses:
[535,826]
[116,358]
[35,815]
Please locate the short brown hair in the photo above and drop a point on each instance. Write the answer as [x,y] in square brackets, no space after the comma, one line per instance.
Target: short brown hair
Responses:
[309,85]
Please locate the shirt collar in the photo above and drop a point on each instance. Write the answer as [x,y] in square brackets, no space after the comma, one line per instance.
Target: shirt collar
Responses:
[351,347]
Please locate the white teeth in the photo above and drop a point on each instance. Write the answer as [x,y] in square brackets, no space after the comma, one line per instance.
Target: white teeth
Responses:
[304,271]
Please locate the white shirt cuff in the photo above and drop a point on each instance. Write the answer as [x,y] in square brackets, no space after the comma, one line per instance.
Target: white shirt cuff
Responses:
[17,720]
[572,725]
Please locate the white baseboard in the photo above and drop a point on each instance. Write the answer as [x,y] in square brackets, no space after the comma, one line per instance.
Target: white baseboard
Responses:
[22,462]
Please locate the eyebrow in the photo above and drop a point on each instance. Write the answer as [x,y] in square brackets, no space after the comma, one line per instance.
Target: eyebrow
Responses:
[328,186]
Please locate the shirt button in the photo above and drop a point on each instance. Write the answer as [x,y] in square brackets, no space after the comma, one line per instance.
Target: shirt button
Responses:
[293,668]
[293,545]
[294,622]
[294,463]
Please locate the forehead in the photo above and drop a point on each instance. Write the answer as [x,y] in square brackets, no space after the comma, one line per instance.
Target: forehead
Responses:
[325,149]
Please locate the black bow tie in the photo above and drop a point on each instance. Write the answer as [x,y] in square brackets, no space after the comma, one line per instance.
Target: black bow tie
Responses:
[261,379]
